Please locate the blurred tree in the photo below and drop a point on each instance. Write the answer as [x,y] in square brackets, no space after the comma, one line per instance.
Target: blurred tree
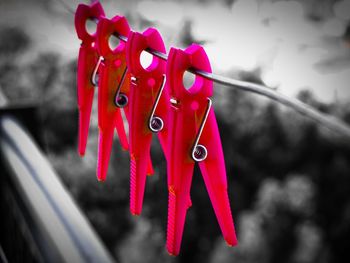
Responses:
[13,41]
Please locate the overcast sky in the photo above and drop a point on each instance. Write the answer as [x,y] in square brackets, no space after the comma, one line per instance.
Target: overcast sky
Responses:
[292,52]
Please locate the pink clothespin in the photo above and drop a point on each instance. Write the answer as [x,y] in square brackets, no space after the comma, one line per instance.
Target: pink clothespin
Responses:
[193,137]
[113,89]
[149,104]
[87,60]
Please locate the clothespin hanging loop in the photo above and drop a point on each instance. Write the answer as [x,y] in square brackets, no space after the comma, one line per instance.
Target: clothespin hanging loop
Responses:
[94,76]
[199,151]
[155,123]
[120,99]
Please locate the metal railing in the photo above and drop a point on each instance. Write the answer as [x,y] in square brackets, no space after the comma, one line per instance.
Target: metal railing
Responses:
[40,221]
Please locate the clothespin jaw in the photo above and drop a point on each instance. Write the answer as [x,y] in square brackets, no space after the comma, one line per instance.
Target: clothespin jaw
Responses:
[137,43]
[192,121]
[87,60]
[149,102]
[117,25]
[113,90]
[84,12]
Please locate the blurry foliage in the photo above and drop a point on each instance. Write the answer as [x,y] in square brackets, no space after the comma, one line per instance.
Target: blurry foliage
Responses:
[14,40]
[288,182]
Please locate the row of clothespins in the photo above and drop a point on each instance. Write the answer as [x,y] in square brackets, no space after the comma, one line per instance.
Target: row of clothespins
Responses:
[154,101]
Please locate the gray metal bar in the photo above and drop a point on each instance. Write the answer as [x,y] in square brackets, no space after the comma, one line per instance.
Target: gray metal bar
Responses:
[56,217]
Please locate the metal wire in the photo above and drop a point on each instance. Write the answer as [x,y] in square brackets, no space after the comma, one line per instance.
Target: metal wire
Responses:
[326,120]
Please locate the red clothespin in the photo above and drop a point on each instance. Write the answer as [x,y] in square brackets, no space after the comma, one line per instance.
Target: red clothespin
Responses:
[149,104]
[87,60]
[193,137]
[113,89]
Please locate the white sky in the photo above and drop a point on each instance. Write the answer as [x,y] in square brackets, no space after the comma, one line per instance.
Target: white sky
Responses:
[288,48]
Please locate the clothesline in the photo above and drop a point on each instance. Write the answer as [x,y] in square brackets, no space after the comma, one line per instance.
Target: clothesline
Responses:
[326,120]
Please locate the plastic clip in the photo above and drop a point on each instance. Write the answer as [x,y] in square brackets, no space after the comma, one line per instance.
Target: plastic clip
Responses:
[113,79]
[148,109]
[87,60]
[193,136]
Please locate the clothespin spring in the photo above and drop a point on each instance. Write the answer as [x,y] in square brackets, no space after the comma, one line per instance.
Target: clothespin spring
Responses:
[156,124]
[199,151]
[94,76]
[120,99]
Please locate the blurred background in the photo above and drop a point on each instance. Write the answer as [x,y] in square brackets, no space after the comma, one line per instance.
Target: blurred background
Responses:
[289,179]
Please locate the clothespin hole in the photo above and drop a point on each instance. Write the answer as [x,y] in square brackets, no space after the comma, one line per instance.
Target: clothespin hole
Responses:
[113,42]
[194,105]
[117,63]
[151,82]
[188,80]
[90,26]
[146,59]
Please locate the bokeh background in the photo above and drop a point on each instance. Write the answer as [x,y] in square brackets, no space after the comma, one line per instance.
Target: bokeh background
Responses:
[289,179]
